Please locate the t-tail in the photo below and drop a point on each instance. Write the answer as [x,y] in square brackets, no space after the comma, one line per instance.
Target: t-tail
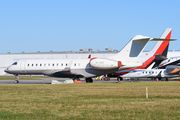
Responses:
[161,47]
[131,52]
[159,51]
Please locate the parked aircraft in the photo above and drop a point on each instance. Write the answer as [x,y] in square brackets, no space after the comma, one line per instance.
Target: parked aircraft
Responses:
[169,72]
[87,68]
[157,55]
[169,61]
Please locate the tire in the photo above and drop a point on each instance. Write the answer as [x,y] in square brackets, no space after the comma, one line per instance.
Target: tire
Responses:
[16,81]
[89,80]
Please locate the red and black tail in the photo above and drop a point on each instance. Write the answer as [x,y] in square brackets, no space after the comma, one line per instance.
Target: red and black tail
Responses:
[160,50]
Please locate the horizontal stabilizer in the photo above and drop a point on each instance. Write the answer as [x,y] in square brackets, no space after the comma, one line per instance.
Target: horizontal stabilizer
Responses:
[160,57]
[160,39]
[140,37]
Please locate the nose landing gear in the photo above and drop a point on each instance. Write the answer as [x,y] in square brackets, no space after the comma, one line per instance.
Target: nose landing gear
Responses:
[16,81]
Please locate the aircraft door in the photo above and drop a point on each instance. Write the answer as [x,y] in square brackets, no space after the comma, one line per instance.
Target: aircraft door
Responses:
[23,68]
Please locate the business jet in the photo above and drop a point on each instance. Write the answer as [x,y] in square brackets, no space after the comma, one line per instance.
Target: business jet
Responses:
[157,55]
[169,72]
[169,61]
[84,68]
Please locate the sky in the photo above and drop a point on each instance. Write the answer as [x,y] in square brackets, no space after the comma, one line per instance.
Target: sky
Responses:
[65,25]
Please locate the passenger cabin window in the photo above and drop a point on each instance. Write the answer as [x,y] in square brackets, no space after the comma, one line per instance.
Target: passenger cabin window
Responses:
[66,64]
[15,63]
[74,64]
[57,64]
[40,64]
[61,64]
[28,65]
[49,65]
[32,64]
[36,64]
[52,64]
[44,64]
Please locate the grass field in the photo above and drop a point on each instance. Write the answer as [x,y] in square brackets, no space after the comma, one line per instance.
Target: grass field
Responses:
[23,77]
[123,100]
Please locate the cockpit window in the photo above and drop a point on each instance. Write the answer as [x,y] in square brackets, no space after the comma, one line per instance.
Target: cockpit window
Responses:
[15,63]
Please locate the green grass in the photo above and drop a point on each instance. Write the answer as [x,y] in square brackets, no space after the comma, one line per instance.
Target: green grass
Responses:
[23,77]
[91,101]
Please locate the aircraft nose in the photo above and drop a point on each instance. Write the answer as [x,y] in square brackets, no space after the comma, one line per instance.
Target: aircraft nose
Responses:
[6,70]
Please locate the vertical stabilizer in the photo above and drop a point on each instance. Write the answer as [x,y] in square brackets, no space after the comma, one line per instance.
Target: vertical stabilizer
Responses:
[161,47]
[132,50]
[151,66]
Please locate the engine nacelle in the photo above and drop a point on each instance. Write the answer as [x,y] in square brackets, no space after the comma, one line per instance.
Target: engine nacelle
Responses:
[100,63]
[172,69]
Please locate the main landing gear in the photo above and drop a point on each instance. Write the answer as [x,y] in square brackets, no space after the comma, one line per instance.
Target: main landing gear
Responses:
[162,79]
[89,80]
[16,81]
[105,78]
[119,78]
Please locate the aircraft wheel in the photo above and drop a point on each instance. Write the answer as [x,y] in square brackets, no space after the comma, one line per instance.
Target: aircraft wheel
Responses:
[89,80]
[159,78]
[16,81]
[166,79]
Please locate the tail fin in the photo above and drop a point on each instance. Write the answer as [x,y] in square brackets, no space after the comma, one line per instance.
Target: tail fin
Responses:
[151,66]
[161,47]
[132,50]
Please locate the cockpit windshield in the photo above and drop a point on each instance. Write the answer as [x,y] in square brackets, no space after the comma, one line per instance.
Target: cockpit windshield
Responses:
[15,63]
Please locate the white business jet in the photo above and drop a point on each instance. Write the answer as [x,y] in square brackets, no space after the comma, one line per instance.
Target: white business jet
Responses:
[83,68]
[169,72]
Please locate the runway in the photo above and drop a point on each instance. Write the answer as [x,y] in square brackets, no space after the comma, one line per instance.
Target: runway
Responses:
[48,81]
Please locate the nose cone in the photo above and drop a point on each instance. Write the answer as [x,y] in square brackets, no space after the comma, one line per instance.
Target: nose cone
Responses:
[6,70]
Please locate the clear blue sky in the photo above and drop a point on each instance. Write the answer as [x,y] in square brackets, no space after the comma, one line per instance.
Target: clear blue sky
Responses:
[64,25]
